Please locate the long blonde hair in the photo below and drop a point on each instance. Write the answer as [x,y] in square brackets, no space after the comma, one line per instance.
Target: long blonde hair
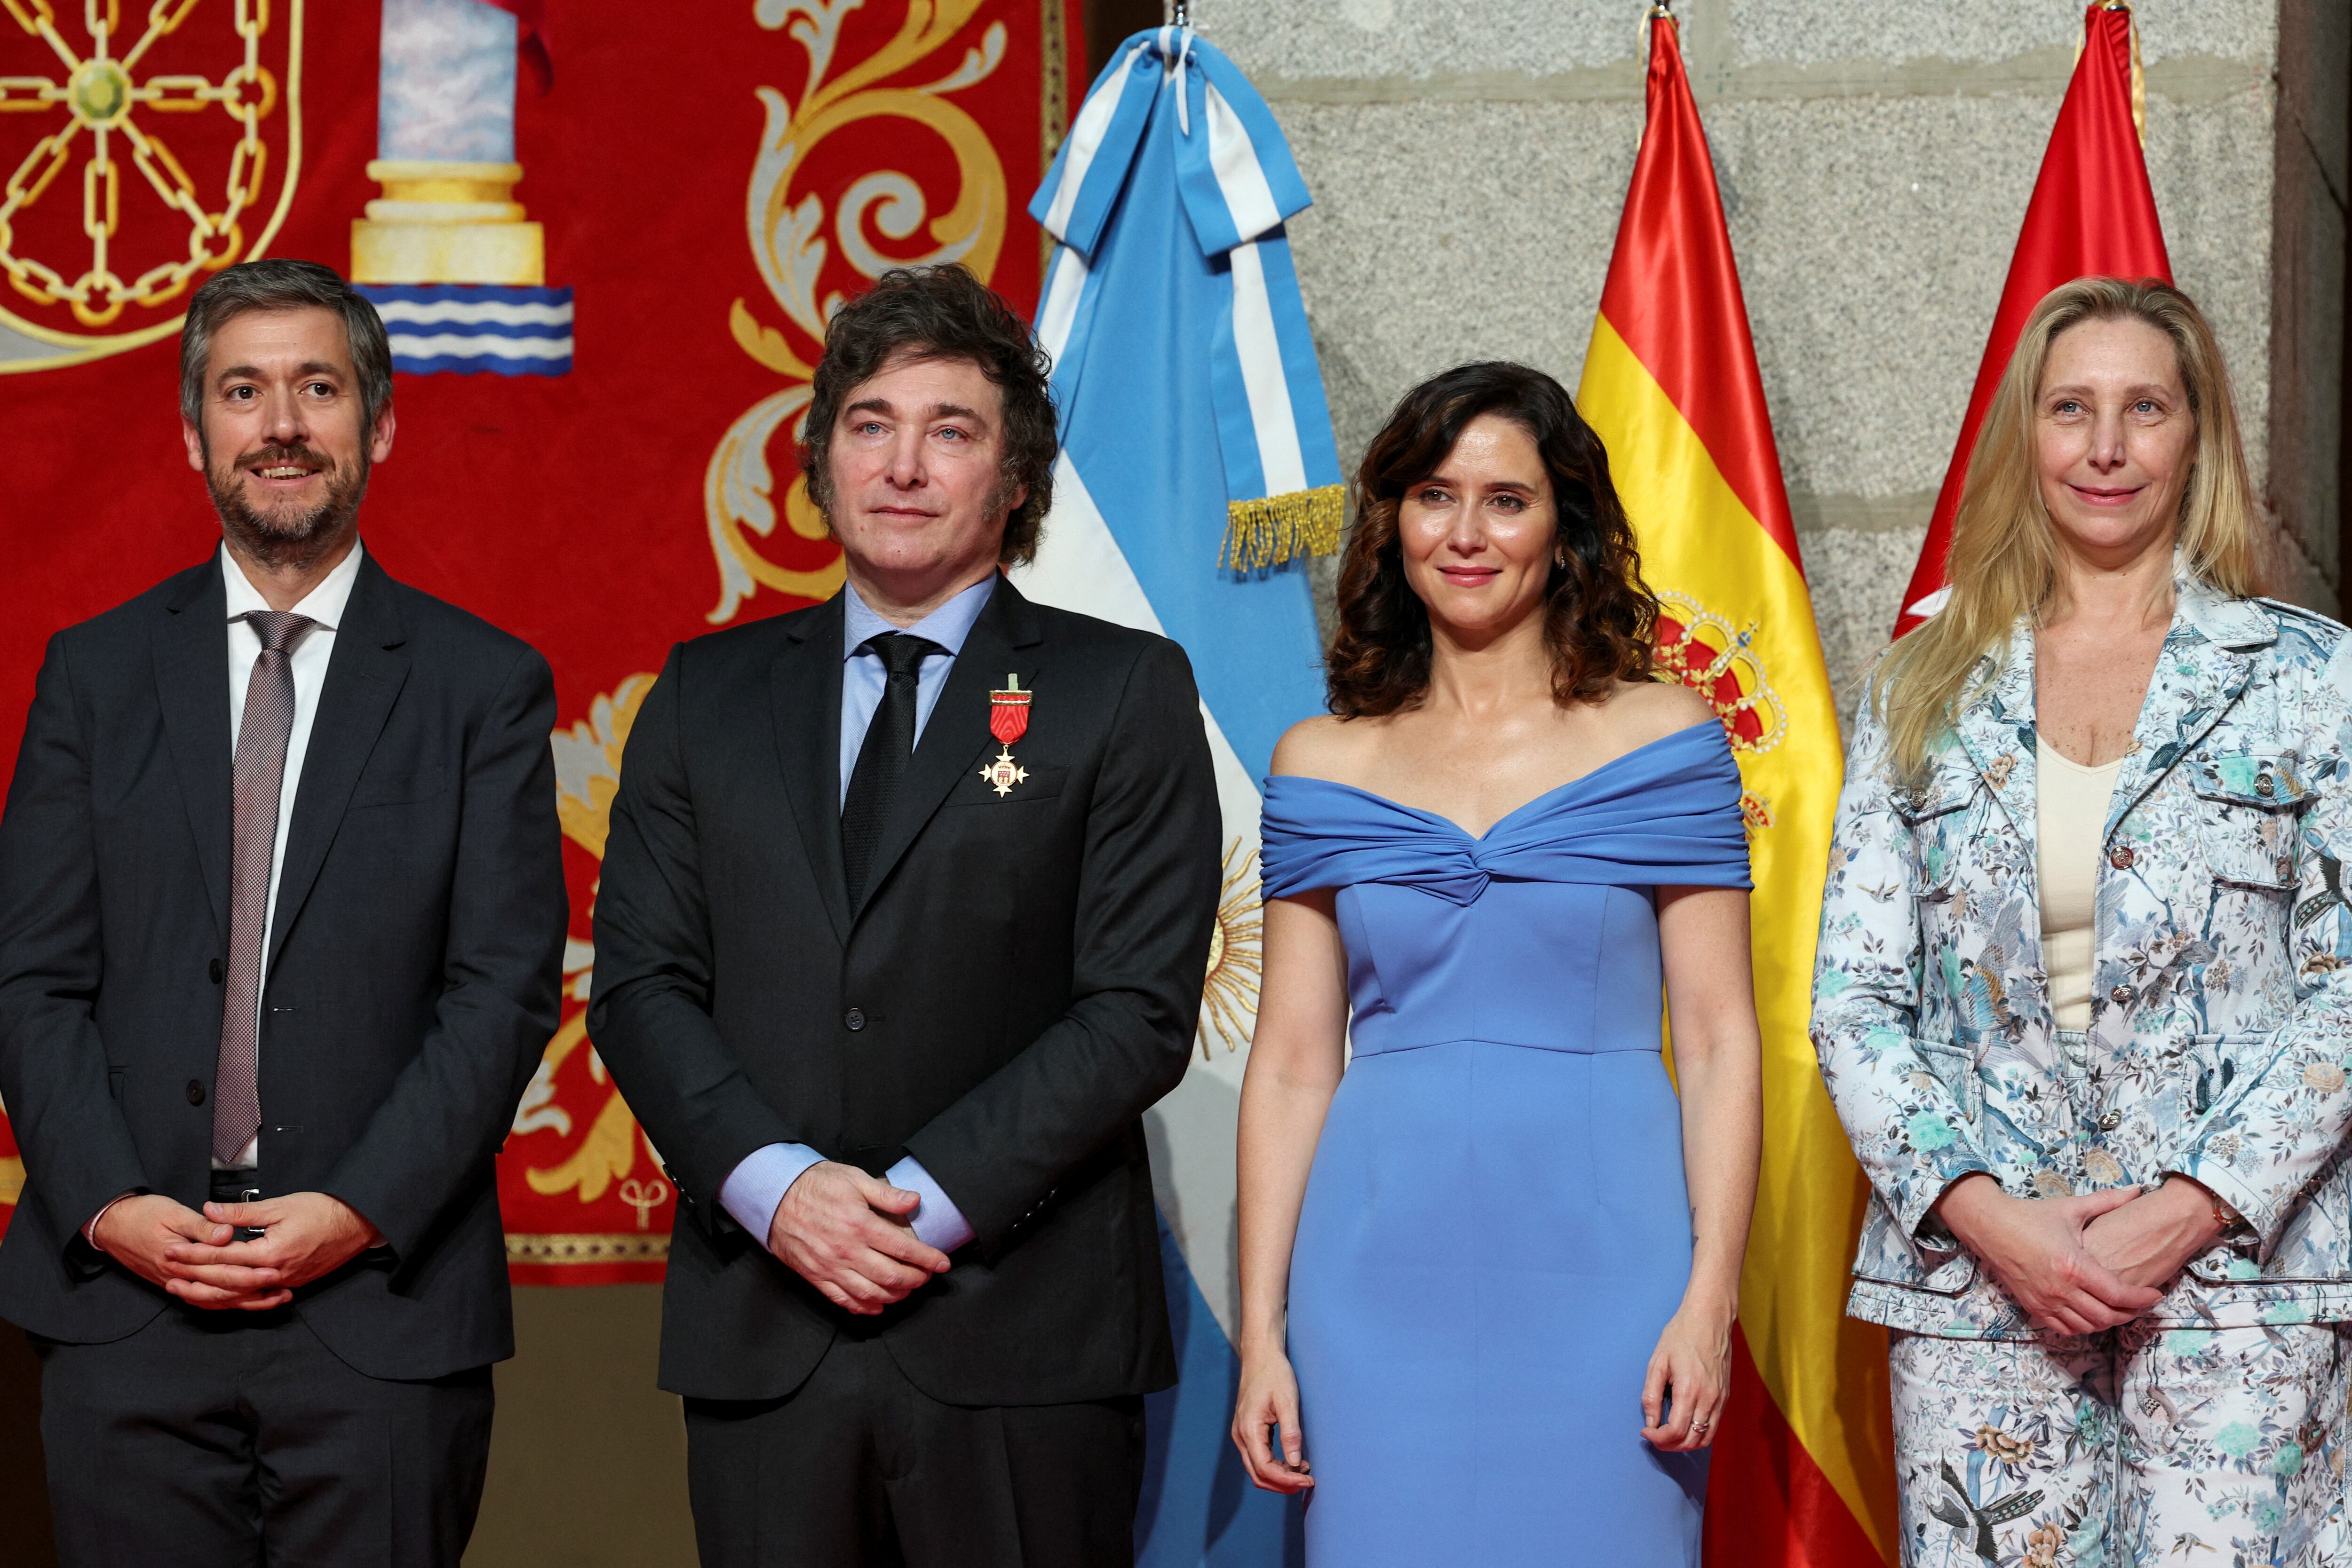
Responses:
[2004,558]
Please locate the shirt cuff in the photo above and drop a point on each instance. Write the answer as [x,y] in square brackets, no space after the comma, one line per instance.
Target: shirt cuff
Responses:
[938,1222]
[89,1231]
[759,1182]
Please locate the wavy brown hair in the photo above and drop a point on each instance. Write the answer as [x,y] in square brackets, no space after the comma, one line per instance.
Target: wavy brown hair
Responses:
[1597,612]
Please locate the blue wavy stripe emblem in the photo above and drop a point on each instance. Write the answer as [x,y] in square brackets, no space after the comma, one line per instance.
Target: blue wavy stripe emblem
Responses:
[475,328]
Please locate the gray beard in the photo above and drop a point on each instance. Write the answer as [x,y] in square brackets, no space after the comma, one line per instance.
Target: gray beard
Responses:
[280,541]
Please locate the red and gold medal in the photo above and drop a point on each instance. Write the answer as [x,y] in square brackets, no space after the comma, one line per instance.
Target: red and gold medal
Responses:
[1008,720]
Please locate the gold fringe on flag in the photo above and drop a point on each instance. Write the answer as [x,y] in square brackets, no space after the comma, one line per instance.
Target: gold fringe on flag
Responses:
[1274,530]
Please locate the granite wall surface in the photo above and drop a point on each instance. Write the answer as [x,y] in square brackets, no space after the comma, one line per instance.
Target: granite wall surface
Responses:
[1468,160]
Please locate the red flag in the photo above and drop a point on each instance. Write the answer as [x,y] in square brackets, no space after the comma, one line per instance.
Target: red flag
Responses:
[2092,213]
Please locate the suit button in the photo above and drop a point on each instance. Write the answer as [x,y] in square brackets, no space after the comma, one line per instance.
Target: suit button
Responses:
[216,972]
[853,1020]
[2121,857]
[2121,996]
[195,1091]
[2264,787]
[2111,1121]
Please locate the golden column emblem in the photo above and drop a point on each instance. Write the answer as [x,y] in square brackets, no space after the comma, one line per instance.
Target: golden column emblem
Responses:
[445,154]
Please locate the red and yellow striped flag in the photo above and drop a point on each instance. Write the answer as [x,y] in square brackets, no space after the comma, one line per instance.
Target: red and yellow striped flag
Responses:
[1802,1472]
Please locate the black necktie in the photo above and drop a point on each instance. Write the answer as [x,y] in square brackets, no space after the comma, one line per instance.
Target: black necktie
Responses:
[882,758]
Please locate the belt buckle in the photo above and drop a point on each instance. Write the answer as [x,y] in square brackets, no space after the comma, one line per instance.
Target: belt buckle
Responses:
[250,1232]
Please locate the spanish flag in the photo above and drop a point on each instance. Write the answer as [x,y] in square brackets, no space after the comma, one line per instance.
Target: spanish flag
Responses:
[1804,1473]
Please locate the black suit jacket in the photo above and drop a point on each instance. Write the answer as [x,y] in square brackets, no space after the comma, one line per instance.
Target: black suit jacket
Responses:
[417,953]
[1022,980]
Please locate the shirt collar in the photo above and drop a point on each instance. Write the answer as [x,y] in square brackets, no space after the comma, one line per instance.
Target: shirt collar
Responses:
[948,625]
[323,604]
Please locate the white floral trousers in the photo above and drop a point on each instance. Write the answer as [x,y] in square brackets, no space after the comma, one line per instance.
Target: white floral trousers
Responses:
[2142,1444]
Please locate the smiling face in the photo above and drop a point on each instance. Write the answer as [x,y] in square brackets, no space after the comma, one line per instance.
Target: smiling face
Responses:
[2115,440]
[917,496]
[1477,535]
[282,441]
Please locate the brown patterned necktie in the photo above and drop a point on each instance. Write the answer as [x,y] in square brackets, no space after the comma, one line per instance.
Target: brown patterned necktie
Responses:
[260,774]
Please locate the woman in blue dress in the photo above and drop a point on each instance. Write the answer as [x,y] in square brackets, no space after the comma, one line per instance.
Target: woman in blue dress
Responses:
[1488,1276]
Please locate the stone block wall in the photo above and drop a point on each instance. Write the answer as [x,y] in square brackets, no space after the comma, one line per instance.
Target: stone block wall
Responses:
[1468,160]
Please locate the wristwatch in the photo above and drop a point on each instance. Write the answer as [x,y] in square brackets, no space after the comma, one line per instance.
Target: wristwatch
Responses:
[2225,1219]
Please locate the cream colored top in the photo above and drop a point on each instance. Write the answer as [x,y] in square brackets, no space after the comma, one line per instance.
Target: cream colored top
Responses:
[2070,813]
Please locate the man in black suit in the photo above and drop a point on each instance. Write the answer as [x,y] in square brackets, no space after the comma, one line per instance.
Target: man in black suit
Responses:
[281,919]
[905,909]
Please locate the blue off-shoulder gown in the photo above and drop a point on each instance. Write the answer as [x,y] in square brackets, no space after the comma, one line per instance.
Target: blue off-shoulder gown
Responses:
[1496,1228]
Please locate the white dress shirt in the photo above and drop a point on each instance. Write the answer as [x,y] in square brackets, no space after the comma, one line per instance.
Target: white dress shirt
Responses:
[757,1184]
[325,605]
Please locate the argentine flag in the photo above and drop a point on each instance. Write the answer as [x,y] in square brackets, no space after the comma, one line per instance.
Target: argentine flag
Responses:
[1197,467]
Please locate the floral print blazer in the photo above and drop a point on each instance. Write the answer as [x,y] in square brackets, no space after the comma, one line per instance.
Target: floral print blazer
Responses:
[2222,1018]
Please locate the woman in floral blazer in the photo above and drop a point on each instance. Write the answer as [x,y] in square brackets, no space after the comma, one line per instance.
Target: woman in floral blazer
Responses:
[2111,1218]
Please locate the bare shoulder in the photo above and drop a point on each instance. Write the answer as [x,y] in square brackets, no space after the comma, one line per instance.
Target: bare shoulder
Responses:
[1324,747]
[1645,711]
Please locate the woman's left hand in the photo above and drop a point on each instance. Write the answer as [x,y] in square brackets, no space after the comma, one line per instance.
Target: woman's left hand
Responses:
[1693,1365]
[2151,1239]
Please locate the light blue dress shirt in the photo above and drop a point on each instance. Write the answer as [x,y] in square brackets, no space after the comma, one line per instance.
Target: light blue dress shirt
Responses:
[756,1186]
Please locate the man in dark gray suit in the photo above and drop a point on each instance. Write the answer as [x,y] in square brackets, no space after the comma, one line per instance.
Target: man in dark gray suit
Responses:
[281,916]
[903,921]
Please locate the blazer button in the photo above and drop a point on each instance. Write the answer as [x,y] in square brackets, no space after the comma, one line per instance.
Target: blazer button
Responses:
[2121,996]
[2121,857]
[216,972]
[2111,1121]
[195,1091]
[2264,787]
[853,1020]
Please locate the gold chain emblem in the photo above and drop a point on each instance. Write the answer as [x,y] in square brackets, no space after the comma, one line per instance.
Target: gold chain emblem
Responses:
[104,107]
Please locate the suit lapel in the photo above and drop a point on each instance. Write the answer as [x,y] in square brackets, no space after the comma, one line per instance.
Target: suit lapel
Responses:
[191,649]
[364,675]
[1997,731]
[2200,672]
[805,686]
[1003,640]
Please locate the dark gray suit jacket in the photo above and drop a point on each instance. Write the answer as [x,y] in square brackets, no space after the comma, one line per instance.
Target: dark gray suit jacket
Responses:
[412,980]
[1021,982]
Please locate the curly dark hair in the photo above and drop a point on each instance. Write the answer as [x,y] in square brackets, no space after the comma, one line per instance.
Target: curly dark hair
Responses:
[943,312]
[1598,614]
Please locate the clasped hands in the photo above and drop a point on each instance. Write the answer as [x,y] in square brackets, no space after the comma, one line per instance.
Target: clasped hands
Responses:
[852,1236]
[196,1258]
[2079,1265]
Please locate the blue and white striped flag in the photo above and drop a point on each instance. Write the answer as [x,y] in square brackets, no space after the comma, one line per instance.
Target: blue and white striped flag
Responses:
[1197,466]
[470,327]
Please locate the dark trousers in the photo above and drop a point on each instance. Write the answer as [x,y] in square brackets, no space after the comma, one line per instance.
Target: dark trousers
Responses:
[859,1469]
[233,1440]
